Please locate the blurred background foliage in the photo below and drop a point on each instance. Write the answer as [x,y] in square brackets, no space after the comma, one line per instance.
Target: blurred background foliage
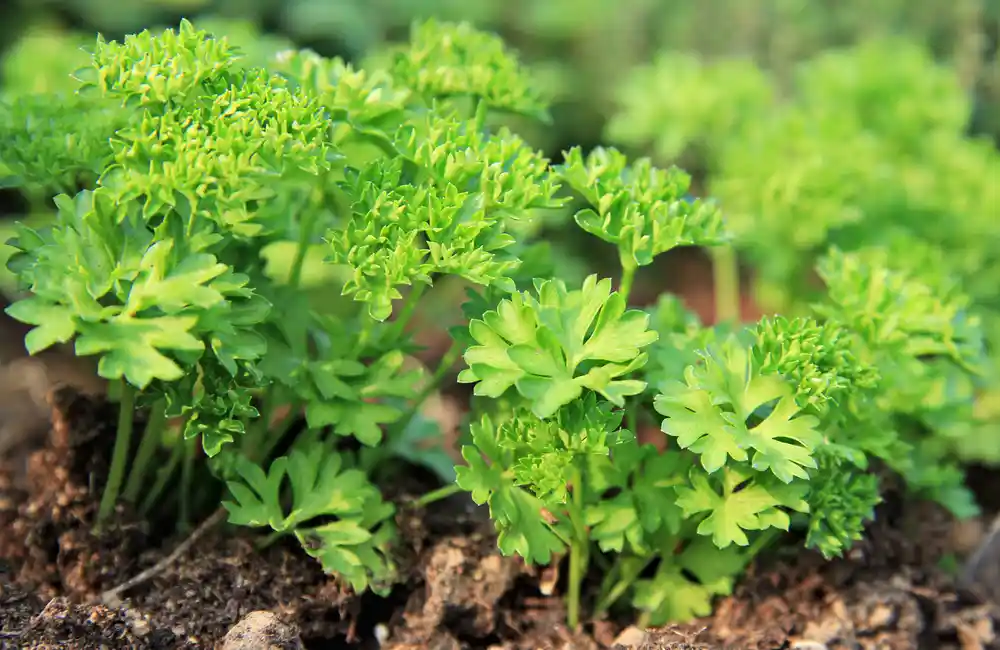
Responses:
[584,47]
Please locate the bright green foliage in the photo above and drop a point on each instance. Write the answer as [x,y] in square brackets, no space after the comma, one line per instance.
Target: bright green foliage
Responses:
[145,306]
[681,103]
[540,345]
[898,313]
[441,208]
[839,504]
[672,595]
[156,69]
[735,507]
[716,414]
[343,384]
[890,86]
[818,357]
[644,211]
[352,545]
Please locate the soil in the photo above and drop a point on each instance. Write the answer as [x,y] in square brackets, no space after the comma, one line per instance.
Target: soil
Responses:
[457,592]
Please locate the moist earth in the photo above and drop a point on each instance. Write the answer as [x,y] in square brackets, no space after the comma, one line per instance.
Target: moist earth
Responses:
[893,591]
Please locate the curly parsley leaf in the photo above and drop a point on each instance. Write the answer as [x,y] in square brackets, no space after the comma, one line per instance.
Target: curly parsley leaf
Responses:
[517,514]
[444,60]
[642,210]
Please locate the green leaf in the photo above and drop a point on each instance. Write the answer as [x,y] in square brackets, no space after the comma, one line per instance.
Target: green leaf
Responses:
[685,585]
[736,506]
[53,323]
[723,410]
[133,348]
[840,503]
[455,59]
[642,210]
[354,545]
[539,346]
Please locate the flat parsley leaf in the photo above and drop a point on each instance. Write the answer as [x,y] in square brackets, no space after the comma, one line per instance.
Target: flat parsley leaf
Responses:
[554,346]
[735,506]
[721,411]
[351,542]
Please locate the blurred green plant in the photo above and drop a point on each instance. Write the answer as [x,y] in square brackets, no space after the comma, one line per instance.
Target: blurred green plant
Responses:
[869,151]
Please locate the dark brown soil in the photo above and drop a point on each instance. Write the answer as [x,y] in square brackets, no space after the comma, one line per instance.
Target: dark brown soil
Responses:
[457,592]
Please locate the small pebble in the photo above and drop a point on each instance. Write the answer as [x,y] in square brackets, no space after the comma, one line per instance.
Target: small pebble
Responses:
[262,630]
[809,645]
[630,637]
[381,633]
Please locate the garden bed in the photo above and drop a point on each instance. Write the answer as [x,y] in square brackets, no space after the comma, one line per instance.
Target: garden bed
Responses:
[458,592]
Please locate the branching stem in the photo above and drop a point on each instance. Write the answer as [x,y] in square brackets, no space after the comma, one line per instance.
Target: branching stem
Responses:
[437,495]
[409,308]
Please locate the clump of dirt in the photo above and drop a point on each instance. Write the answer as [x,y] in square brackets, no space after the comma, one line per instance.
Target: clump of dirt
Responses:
[50,534]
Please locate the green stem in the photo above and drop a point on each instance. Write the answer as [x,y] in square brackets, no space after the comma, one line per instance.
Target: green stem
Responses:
[726,276]
[761,542]
[187,483]
[643,621]
[150,442]
[268,540]
[632,418]
[611,596]
[119,456]
[437,495]
[162,477]
[306,227]
[409,308]
[628,277]
[257,433]
[577,555]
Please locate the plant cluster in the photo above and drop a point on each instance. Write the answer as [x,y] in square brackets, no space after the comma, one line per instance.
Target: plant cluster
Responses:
[208,207]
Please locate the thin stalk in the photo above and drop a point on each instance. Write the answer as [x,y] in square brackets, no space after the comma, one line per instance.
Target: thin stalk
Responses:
[632,418]
[409,308]
[437,495]
[151,438]
[577,555]
[162,478]
[628,277]
[119,456]
[309,221]
[257,434]
[268,540]
[187,483]
[726,276]
[761,542]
